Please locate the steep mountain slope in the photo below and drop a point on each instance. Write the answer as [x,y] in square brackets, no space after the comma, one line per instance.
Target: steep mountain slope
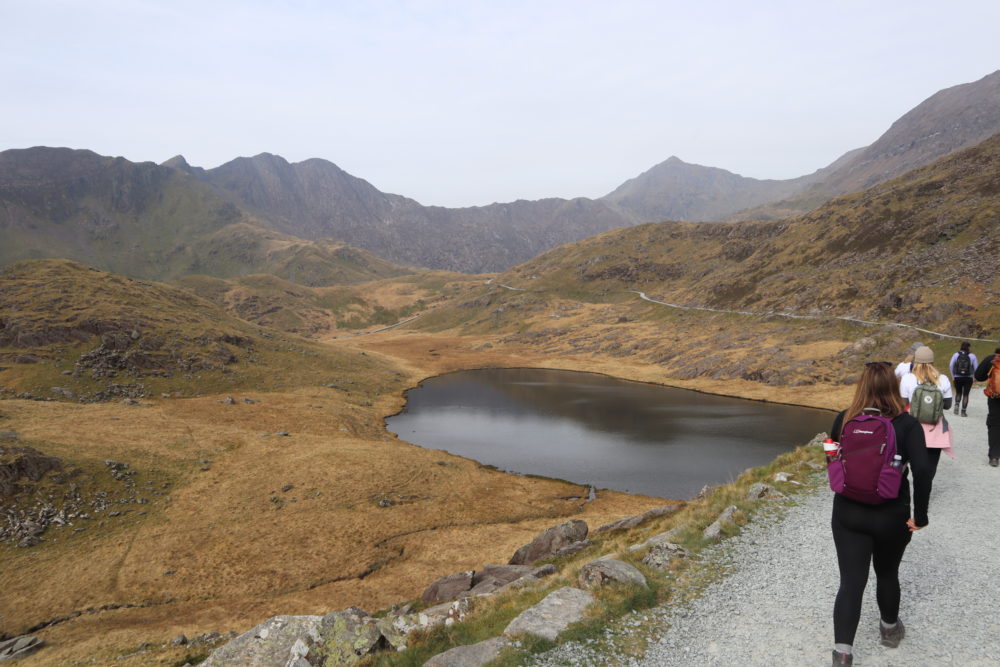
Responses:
[920,249]
[153,222]
[316,199]
[950,120]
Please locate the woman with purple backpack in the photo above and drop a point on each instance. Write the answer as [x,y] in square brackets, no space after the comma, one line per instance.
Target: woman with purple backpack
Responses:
[876,535]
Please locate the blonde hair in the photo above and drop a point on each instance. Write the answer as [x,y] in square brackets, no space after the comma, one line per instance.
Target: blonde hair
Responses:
[926,373]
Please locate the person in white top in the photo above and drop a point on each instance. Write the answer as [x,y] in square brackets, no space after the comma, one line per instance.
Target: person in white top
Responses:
[961,374]
[907,363]
[924,371]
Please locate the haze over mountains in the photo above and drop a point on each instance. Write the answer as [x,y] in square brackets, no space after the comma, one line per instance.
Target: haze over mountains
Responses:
[264,214]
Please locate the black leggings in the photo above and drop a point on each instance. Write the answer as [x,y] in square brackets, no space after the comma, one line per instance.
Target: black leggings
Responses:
[963,385]
[866,535]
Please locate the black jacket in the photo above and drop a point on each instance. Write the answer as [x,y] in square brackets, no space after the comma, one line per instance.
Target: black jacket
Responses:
[911,446]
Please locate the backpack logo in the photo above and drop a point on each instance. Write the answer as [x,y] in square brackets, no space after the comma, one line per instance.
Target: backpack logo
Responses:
[927,403]
[862,470]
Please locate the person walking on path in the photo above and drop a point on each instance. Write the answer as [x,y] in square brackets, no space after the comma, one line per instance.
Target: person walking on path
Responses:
[868,535]
[963,364]
[989,372]
[937,433]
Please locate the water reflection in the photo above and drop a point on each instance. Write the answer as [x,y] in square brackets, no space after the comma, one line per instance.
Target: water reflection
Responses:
[592,429]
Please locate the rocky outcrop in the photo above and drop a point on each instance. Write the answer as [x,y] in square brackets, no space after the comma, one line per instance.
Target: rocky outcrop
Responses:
[714,531]
[448,588]
[473,655]
[606,571]
[552,615]
[551,542]
[630,522]
[26,463]
[662,554]
[486,581]
[19,647]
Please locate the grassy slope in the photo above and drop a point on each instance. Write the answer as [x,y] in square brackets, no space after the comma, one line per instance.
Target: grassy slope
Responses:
[238,546]
[323,311]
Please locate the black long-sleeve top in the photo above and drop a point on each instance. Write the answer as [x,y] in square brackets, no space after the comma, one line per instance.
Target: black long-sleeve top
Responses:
[983,369]
[911,446]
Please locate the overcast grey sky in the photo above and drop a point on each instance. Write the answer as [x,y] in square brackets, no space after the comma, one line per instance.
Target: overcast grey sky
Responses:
[471,102]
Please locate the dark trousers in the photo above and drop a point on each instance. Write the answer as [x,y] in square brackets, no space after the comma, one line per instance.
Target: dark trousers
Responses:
[865,536]
[993,427]
[963,385]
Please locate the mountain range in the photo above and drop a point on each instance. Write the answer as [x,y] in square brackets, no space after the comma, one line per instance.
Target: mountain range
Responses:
[264,214]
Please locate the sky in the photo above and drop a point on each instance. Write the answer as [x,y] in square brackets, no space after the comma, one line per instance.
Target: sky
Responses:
[472,102]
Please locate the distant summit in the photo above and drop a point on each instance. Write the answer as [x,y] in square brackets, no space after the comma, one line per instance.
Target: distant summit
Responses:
[950,120]
[676,190]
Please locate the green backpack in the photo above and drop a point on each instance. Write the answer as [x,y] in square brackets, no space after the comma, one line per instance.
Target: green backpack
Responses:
[927,403]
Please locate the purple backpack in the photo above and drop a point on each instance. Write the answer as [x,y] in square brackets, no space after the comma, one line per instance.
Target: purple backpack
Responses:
[863,468]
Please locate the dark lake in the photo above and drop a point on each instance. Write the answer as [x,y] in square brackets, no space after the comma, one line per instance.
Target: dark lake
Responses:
[593,429]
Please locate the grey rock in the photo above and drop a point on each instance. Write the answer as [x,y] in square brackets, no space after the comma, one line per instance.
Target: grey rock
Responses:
[662,553]
[552,615]
[472,655]
[448,588]
[179,640]
[714,531]
[19,647]
[550,541]
[632,521]
[573,548]
[265,645]
[602,572]
[345,637]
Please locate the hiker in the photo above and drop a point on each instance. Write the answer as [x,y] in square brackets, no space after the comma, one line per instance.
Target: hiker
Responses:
[963,365]
[989,372]
[877,534]
[929,394]
[907,363]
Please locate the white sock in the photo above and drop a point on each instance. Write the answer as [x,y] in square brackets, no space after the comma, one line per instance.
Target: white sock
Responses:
[888,626]
[843,648]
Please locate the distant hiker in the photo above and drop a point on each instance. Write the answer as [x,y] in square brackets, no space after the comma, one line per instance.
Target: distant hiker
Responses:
[907,363]
[877,535]
[929,395]
[989,372]
[963,365]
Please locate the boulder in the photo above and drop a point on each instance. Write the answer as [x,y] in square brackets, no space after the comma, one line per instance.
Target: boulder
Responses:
[630,522]
[602,572]
[267,644]
[714,531]
[472,655]
[550,541]
[552,615]
[448,588]
[661,553]
[344,638]
[19,647]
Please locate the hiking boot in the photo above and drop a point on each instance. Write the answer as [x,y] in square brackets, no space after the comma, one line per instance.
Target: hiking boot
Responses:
[956,409]
[842,658]
[995,462]
[964,413]
[892,636]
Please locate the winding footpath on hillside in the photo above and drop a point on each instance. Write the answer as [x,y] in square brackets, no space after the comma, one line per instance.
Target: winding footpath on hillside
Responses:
[775,607]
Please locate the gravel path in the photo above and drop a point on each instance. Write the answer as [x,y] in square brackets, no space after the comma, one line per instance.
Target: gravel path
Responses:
[776,607]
